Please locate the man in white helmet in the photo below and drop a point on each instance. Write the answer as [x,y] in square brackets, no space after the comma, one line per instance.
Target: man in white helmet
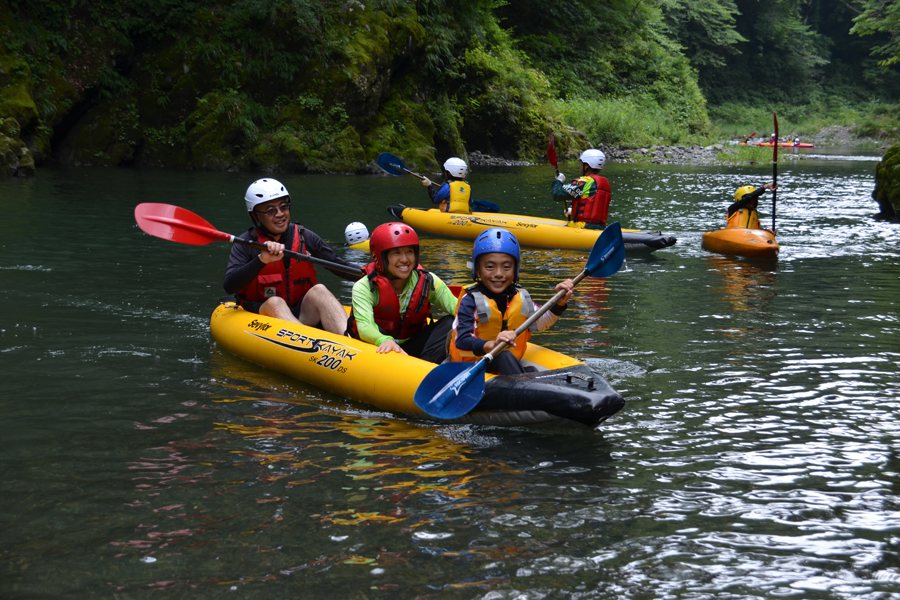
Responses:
[590,194]
[271,284]
[455,195]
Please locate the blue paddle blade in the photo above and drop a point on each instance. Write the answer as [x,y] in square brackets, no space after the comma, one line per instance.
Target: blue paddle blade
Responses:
[390,163]
[608,254]
[485,206]
[452,389]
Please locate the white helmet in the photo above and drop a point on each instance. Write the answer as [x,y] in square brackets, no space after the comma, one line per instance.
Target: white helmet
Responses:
[356,232]
[456,167]
[263,190]
[594,158]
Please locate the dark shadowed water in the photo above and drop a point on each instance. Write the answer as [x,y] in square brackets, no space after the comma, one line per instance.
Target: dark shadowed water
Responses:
[756,457]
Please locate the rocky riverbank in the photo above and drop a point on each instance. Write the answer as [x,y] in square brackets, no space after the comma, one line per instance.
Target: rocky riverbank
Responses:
[660,155]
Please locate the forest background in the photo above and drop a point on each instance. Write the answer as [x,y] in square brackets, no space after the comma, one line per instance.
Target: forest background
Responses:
[326,85]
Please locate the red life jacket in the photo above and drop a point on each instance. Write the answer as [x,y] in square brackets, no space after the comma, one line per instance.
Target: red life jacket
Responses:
[300,275]
[594,208]
[387,311]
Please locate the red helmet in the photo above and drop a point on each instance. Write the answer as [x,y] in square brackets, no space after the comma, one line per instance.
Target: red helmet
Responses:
[389,236]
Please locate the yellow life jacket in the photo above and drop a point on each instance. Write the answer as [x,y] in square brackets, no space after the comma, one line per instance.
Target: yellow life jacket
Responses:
[460,200]
[745,217]
[489,322]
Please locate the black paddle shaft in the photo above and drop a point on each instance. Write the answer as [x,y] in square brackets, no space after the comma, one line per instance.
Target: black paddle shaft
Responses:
[305,257]
[774,169]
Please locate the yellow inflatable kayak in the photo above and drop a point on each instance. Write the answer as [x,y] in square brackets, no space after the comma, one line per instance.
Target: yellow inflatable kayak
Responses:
[530,231]
[739,241]
[563,389]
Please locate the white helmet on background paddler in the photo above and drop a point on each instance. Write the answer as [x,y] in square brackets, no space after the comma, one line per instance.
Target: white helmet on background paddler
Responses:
[263,190]
[595,159]
[456,167]
[355,233]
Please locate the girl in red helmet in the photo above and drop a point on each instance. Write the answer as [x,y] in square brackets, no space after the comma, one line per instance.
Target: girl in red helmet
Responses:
[392,305]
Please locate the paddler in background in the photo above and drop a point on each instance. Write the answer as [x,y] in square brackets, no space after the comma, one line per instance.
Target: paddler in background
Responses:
[590,194]
[269,283]
[743,212]
[455,195]
[392,305]
[489,312]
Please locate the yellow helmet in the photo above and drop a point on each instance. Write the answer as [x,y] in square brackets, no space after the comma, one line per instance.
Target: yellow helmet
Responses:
[743,191]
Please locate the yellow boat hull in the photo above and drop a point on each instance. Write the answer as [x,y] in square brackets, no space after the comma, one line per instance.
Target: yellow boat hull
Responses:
[537,232]
[352,368]
[739,241]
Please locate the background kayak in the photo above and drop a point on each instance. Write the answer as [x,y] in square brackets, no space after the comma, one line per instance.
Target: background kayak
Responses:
[530,231]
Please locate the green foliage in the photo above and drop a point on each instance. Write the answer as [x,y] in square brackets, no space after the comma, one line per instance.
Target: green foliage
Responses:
[503,100]
[881,16]
[705,29]
[615,49]
[634,121]
[871,119]
[305,84]
[744,155]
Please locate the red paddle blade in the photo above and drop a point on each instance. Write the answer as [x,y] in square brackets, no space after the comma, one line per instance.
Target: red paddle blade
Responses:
[551,151]
[176,224]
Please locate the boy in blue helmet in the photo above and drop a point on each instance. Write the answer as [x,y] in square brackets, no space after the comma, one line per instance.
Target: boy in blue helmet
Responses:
[489,312]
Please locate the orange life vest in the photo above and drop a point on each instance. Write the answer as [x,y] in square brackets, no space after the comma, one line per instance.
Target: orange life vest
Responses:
[747,218]
[489,322]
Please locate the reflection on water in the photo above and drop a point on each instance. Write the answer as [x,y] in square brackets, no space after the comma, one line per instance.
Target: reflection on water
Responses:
[757,456]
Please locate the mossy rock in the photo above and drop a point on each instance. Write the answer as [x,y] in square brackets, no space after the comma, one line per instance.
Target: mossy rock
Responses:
[169,83]
[215,133]
[293,151]
[15,158]
[887,182]
[108,135]
[16,84]
[503,103]
[403,127]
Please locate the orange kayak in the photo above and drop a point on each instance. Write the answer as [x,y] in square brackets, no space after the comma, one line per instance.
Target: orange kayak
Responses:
[752,243]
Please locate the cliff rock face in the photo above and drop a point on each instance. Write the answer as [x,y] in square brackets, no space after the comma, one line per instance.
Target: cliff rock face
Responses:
[887,183]
[14,156]
[299,86]
[200,101]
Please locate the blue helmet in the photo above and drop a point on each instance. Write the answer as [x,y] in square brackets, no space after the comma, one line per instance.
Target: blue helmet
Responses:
[495,240]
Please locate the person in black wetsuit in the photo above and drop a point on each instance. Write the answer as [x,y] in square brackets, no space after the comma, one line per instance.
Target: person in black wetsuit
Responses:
[271,284]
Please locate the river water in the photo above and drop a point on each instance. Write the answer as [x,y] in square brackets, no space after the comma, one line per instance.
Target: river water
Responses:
[756,456]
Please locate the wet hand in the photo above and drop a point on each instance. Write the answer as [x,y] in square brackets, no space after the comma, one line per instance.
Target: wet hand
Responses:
[390,346]
[569,286]
[274,251]
[504,336]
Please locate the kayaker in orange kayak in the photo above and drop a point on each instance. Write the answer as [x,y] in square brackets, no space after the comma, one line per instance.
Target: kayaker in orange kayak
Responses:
[743,212]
